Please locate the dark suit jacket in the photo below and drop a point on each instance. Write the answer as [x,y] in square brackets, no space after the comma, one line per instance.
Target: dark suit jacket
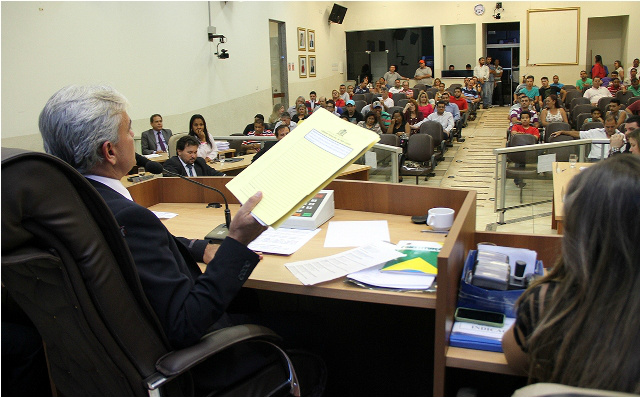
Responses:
[186,301]
[148,140]
[267,145]
[200,166]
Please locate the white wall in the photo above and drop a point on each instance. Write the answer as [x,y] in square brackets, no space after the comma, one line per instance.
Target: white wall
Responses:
[460,42]
[158,56]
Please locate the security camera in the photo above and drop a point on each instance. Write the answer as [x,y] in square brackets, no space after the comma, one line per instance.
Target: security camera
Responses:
[224,54]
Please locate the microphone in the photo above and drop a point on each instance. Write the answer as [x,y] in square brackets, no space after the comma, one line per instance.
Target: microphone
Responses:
[221,231]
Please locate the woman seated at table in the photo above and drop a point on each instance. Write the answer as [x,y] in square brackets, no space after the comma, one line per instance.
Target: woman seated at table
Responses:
[370,122]
[278,109]
[198,129]
[398,125]
[579,325]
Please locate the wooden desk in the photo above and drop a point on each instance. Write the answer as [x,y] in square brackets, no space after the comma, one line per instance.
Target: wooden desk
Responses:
[368,200]
[560,183]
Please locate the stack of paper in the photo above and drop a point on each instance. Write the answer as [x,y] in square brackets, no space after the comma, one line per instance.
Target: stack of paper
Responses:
[373,277]
[222,145]
[283,241]
[479,337]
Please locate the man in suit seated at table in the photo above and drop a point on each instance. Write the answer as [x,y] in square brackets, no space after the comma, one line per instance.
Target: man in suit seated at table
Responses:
[281,132]
[155,140]
[187,162]
[89,128]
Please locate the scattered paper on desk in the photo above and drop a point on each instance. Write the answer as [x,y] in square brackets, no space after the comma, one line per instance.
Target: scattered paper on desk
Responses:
[318,270]
[165,215]
[356,233]
[283,241]
[515,254]
[485,331]
[376,278]
[152,155]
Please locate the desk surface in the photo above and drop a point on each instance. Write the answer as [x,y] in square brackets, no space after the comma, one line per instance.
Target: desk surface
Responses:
[560,183]
[195,221]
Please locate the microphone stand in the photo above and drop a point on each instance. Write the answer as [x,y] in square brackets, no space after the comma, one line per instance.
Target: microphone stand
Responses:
[221,231]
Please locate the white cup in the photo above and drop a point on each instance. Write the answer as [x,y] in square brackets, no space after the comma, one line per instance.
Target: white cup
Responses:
[440,218]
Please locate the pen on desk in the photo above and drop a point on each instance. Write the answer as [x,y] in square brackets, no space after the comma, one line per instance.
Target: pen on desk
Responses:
[435,231]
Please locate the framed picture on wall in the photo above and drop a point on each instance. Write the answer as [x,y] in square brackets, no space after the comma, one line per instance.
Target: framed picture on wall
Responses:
[312,39]
[302,65]
[312,66]
[302,39]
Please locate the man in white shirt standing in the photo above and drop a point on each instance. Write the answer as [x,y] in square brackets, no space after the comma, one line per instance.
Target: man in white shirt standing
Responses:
[596,92]
[482,73]
[607,132]
[424,73]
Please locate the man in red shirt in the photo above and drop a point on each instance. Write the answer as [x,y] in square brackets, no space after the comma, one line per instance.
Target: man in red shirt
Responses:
[461,101]
[525,126]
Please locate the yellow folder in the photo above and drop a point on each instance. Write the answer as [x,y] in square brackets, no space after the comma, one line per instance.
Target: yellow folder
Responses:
[300,165]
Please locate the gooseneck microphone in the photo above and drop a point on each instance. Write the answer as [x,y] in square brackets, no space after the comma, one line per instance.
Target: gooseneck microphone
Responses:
[221,231]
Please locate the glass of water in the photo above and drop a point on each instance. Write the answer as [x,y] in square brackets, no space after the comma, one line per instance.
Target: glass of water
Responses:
[573,159]
[221,157]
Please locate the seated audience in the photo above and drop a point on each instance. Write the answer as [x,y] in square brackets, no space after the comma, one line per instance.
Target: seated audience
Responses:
[377,89]
[423,104]
[396,88]
[301,114]
[249,126]
[343,93]
[583,81]
[352,114]
[617,142]
[331,107]
[596,115]
[293,109]
[285,118]
[607,79]
[460,101]
[633,109]
[312,103]
[198,129]
[278,109]
[614,86]
[531,91]
[525,127]
[350,92]
[387,102]
[370,122]
[577,325]
[596,92]
[438,94]
[633,139]
[618,114]
[451,107]
[406,90]
[441,116]
[472,97]
[412,115]
[258,130]
[156,139]
[597,149]
[384,118]
[281,132]
[557,83]
[547,89]
[514,115]
[633,74]
[188,162]
[553,111]
[634,87]
[362,87]
[337,99]
[617,66]
[398,125]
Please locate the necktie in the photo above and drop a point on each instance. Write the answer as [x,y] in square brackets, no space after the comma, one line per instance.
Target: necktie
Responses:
[161,143]
[190,167]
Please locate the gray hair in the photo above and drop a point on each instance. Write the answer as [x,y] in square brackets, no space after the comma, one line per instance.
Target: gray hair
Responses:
[78,120]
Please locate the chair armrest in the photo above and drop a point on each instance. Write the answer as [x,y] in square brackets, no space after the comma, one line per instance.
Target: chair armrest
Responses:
[179,361]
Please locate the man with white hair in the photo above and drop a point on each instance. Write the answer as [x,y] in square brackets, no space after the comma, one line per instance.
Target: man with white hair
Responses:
[89,128]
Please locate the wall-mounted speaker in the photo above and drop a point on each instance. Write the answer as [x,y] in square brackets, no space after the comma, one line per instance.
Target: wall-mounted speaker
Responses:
[337,14]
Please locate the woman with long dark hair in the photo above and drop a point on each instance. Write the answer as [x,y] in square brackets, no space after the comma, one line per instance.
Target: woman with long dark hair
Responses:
[198,129]
[598,69]
[579,324]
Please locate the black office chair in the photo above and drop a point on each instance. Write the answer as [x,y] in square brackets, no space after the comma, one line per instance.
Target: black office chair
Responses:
[419,87]
[562,153]
[591,125]
[436,131]
[368,97]
[360,103]
[632,100]
[419,160]
[394,108]
[236,144]
[402,103]
[358,97]
[517,162]
[603,104]
[624,96]
[66,264]
[581,118]
[397,97]
[575,98]
[579,109]
[553,127]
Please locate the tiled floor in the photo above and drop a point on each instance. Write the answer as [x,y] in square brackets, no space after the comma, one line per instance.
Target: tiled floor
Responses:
[472,165]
